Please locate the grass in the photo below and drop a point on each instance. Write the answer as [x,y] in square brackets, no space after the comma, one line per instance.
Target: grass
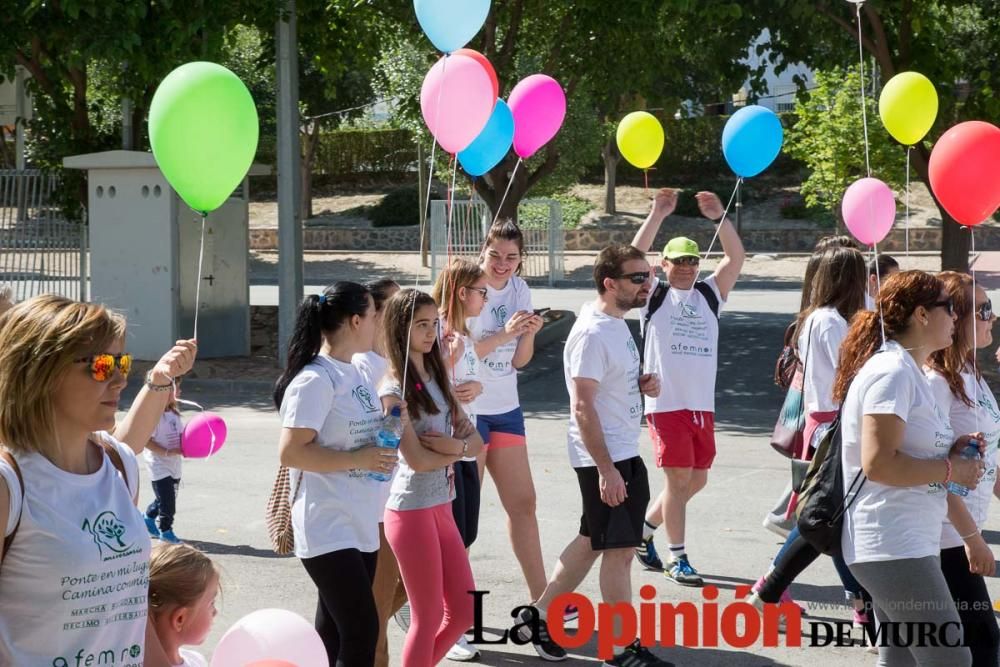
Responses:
[536,216]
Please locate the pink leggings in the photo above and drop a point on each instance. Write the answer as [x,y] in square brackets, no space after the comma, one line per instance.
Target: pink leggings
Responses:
[437,577]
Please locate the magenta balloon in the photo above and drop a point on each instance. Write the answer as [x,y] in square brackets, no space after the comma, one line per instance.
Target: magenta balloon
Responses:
[204,435]
[539,107]
[869,209]
[456,100]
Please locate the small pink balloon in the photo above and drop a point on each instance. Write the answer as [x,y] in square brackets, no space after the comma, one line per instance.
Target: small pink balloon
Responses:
[869,210]
[270,663]
[539,107]
[457,101]
[271,637]
[204,435]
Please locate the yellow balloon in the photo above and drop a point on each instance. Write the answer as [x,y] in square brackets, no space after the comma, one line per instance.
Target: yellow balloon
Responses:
[908,107]
[640,139]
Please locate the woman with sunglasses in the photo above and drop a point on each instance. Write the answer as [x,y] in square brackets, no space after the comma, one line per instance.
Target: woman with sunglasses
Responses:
[898,455]
[75,552]
[965,397]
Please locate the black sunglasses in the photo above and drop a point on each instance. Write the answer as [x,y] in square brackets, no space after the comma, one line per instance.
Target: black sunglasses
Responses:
[947,303]
[687,261]
[985,311]
[637,278]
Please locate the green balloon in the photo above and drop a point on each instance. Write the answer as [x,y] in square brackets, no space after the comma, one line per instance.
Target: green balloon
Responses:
[203,128]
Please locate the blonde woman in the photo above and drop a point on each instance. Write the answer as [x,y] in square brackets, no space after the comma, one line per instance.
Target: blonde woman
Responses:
[76,553]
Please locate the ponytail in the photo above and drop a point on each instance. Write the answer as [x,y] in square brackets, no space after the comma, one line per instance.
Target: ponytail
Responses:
[319,314]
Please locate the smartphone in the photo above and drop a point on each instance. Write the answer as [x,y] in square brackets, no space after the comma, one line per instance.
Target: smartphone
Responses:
[541,311]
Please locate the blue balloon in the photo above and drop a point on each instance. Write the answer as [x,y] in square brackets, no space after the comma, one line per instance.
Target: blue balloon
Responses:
[450,24]
[752,140]
[492,144]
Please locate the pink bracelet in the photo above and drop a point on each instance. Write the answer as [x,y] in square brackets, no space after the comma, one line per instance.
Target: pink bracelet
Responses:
[947,478]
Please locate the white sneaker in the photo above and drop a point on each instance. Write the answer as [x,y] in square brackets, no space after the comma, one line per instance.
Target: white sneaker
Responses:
[403,617]
[778,524]
[462,651]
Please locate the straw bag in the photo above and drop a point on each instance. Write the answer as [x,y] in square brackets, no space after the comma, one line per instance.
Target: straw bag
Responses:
[278,515]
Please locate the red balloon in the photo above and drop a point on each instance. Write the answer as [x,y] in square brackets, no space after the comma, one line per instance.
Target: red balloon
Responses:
[487,65]
[965,171]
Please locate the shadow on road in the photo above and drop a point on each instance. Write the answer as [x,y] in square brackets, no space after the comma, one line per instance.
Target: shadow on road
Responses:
[216,549]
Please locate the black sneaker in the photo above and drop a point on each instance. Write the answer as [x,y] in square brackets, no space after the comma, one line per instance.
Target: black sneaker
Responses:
[544,646]
[646,554]
[637,655]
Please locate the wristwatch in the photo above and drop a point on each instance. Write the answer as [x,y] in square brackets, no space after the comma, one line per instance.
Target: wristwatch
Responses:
[152,386]
[465,446]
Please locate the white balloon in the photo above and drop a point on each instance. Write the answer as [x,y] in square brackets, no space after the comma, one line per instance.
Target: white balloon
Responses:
[271,634]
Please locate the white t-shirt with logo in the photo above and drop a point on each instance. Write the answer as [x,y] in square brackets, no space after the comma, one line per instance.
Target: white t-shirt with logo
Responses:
[467,369]
[191,658]
[73,585]
[334,510]
[167,435]
[822,333]
[374,366]
[498,375]
[890,522]
[964,419]
[601,347]
[682,346]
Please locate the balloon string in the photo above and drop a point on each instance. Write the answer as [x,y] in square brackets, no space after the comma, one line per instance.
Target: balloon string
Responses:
[507,192]
[645,174]
[197,289]
[211,431]
[908,149]
[444,283]
[975,342]
[878,284]
[864,111]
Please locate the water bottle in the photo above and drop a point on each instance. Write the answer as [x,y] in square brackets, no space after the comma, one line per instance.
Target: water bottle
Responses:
[388,437]
[971,452]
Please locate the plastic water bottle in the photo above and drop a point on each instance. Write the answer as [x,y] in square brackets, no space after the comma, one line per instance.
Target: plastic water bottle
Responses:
[388,436]
[971,452]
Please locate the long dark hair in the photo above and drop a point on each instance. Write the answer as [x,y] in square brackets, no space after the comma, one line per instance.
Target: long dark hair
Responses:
[396,320]
[380,290]
[821,247]
[952,360]
[319,313]
[840,282]
[900,295]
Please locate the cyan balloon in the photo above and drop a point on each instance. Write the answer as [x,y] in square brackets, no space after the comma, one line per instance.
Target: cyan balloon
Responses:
[489,148]
[451,24]
[752,140]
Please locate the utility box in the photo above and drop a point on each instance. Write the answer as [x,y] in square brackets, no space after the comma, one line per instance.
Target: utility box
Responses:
[144,244]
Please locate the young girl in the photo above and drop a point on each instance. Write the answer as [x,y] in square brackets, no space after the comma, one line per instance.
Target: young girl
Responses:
[460,293]
[330,415]
[418,519]
[164,458]
[183,585]
[505,341]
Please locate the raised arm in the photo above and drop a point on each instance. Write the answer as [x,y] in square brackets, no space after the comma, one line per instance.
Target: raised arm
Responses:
[734,254]
[664,204]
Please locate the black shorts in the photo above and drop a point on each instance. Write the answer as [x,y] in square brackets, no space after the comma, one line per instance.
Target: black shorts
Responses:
[614,527]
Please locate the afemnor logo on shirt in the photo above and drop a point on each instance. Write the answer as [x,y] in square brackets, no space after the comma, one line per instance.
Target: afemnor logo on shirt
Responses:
[108,531]
[632,349]
[364,398]
[499,315]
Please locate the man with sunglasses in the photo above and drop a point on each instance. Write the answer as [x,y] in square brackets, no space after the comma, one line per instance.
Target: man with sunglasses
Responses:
[680,341]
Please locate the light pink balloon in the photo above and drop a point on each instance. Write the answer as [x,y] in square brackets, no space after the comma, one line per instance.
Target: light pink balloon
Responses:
[539,107]
[274,635]
[457,101]
[869,209]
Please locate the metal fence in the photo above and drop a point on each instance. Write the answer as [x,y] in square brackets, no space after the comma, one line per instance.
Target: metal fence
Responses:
[540,221]
[40,253]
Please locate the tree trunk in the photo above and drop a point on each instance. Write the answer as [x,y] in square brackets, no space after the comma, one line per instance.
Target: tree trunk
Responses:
[495,184]
[611,158]
[955,241]
[310,140]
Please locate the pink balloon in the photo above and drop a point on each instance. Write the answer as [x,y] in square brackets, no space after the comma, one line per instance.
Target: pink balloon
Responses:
[457,101]
[204,435]
[869,209]
[539,107]
[274,636]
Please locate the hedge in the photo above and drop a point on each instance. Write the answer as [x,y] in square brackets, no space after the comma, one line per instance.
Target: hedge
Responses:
[350,154]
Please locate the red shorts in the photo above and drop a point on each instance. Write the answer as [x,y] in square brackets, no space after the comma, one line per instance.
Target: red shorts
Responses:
[683,439]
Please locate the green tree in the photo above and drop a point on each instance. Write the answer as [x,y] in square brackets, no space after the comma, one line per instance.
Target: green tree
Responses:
[828,139]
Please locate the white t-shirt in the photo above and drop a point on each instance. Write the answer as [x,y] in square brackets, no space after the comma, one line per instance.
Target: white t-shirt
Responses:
[467,369]
[167,435]
[334,510]
[73,585]
[601,347]
[191,658]
[375,366]
[890,522]
[498,375]
[964,419]
[827,329]
[682,345]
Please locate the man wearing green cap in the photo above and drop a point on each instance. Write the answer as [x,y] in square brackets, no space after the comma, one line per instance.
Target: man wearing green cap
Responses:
[680,341]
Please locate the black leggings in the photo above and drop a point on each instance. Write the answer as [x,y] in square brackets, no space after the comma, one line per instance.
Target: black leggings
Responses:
[346,608]
[465,507]
[975,607]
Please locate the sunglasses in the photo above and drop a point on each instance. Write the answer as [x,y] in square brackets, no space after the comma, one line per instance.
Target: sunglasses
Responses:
[947,303]
[637,278]
[985,311]
[103,365]
[686,261]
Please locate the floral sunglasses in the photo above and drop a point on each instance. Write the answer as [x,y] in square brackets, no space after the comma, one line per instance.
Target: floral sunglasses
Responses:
[103,365]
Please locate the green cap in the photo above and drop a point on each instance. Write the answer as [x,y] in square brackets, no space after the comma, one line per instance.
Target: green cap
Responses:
[680,247]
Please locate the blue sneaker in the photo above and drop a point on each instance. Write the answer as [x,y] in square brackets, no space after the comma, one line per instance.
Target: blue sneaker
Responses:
[151,526]
[646,554]
[680,571]
[168,536]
